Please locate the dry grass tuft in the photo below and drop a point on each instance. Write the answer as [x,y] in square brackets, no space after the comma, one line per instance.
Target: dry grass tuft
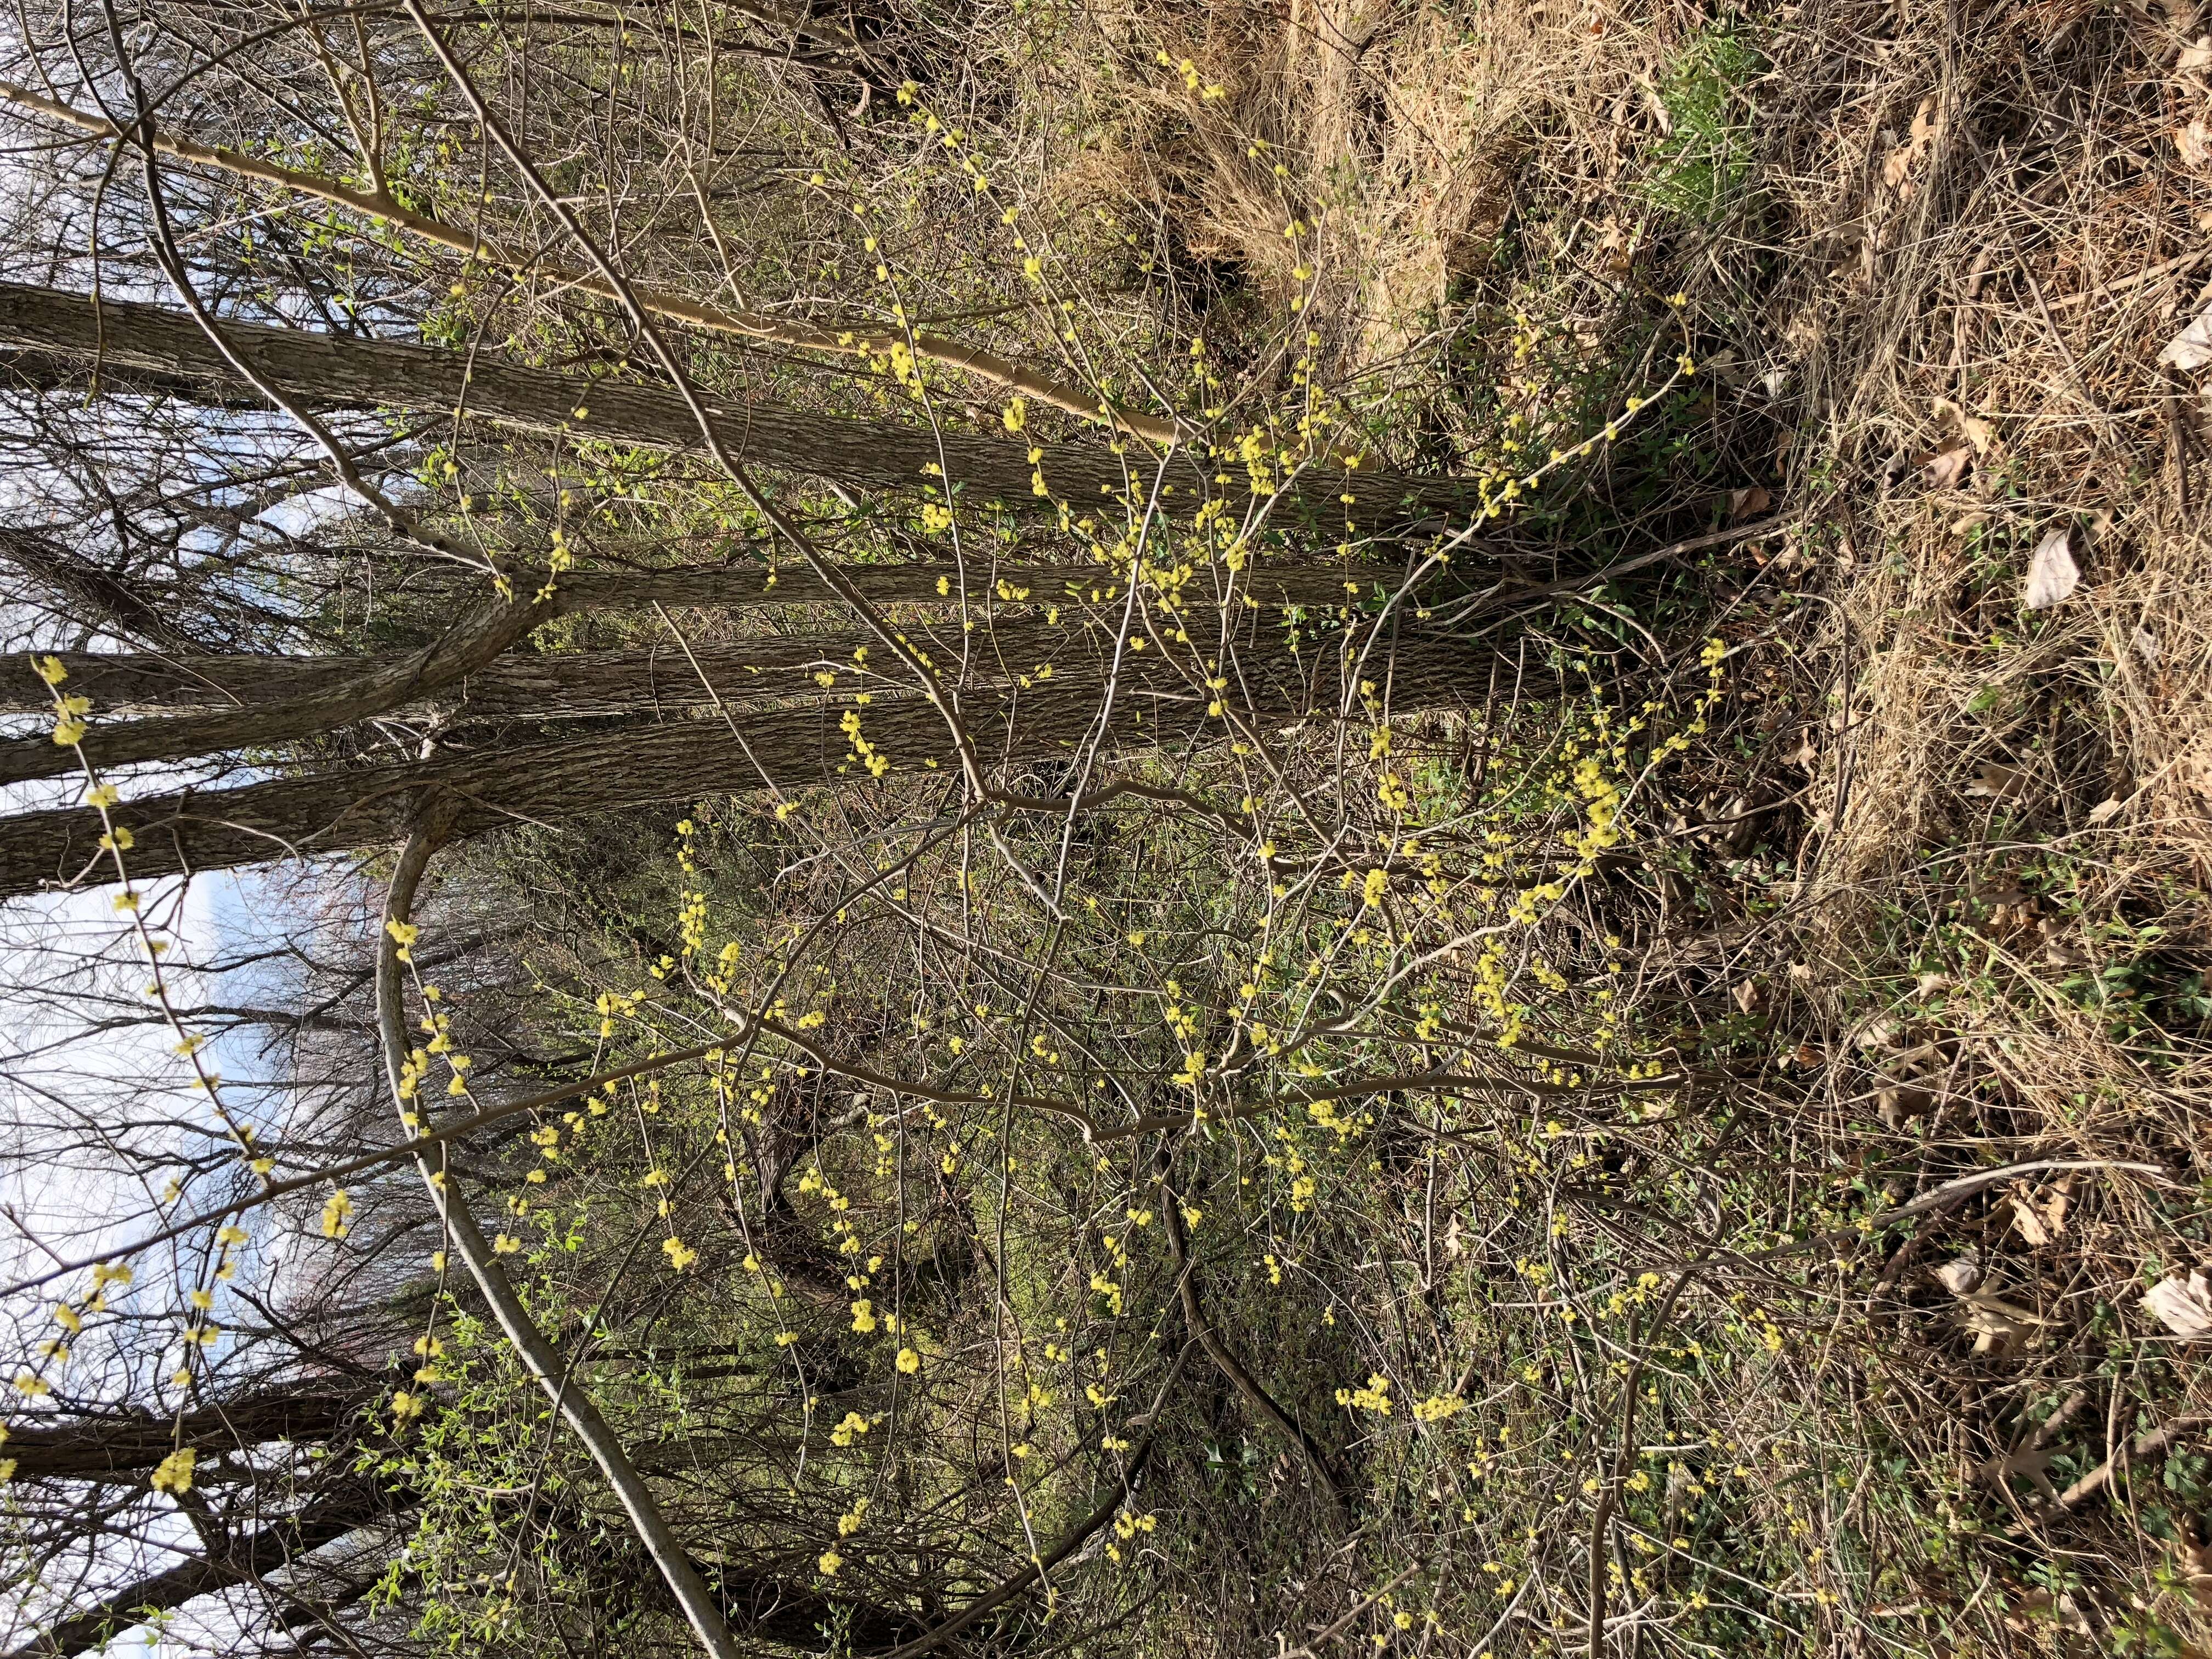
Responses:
[1406,138]
[1931,256]
[1993,240]
[1991,231]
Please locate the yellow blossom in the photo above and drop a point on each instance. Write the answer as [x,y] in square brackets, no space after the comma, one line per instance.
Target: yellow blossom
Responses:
[176,1472]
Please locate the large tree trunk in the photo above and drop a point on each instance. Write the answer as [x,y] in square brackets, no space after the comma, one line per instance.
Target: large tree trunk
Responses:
[267,701]
[129,682]
[324,1520]
[754,1604]
[129,1443]
[326,372]
[519,686]
[792,749]
[364,687]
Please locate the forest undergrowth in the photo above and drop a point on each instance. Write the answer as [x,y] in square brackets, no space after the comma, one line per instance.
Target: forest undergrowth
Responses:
[1634,1083]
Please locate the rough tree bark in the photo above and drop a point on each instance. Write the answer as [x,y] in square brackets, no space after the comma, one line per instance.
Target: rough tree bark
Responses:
[271,700]
[753,1604]
[324,1520]
[135,683]
[128,1443]
[789,748]
[325,372]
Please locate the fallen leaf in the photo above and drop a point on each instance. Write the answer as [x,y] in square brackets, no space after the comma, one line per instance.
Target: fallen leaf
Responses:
[2194,1558]
[1960,1277]
[1922,1057]
[2031,1463]
[1996,1322]
[1927,123]
[1899,1103]
[1975,430]
[2104,810]
[1749,994]
[1948,465]
[2191,349]
[1998,781]
[2039,1611]
[2052,576]
[2183,1306]
[1989,1303]
[2195,142]
[1614,243]
[2146,647]
[1993,1332]
[2025,1220]
[2197,1567]
[2057,953]
[2054,1211]
[2197,55]
[1927,127]
[1725,367]
[1750,502]
[1877,1034]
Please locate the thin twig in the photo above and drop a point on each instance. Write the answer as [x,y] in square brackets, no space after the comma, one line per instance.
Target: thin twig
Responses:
[1609,1496]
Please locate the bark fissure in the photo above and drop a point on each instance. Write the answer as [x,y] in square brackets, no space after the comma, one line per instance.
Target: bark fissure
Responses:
[325,372]
[790,748]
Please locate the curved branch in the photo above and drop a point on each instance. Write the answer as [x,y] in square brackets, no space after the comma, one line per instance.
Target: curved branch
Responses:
[1609,1495]
[378,685]
[1069,1541]
[1227,1362]
[529,1344]
[90,593]
[323,1521]
[862,342]
[332,1173]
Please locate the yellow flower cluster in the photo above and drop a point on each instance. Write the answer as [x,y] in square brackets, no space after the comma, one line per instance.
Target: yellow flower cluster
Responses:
[174,1473]
[1375,1397]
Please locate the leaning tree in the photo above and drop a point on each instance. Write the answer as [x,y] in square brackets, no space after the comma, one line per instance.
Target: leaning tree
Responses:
[482,473]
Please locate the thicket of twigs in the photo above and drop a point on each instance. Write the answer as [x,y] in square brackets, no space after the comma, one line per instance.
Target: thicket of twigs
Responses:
[1158,831]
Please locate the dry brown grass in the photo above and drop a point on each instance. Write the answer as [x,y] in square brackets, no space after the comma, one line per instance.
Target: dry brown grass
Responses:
[1972,225]
[1993,231]
[1402,135]
[2020,257]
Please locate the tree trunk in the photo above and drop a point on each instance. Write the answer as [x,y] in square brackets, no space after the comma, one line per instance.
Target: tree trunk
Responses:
[268,701]
[324,1520]
[127,1444]
[793,749]
[753,1604]
[128,683]
[328,373]
[374,685]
